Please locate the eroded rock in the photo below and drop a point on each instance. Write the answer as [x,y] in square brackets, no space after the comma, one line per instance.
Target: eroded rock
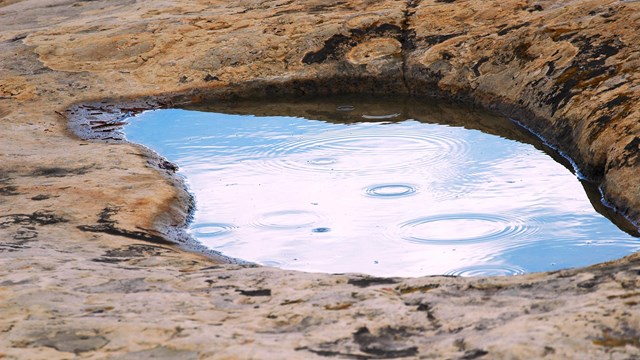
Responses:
[79,217]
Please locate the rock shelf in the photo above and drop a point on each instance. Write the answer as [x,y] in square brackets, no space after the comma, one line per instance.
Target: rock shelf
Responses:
[93,259]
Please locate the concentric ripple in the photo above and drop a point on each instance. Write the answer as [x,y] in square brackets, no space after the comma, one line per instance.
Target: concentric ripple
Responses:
[375,149]
[386,191]
[209,230]
[272,263]
[380,117]
[487,270]
[465,228]
[386,197]
[287,219]
[322,161]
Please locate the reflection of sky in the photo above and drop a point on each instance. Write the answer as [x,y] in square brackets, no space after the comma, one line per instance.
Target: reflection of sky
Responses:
[292,192]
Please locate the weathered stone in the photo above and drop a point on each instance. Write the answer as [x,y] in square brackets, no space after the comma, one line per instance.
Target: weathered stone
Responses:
[78,217]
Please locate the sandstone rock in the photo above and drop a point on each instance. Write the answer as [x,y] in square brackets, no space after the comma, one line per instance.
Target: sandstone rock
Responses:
[87,263]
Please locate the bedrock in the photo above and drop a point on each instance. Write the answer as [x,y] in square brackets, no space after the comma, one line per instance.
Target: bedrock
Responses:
[93,257]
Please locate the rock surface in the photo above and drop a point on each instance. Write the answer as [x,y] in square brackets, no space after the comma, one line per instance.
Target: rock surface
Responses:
[88,268]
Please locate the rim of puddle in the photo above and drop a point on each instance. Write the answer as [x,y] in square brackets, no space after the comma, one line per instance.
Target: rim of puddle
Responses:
[591,188]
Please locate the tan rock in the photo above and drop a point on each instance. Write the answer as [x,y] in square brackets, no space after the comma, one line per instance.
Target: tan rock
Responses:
[87,268]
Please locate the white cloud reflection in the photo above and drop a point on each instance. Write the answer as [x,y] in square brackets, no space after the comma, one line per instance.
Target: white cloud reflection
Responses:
[293,193]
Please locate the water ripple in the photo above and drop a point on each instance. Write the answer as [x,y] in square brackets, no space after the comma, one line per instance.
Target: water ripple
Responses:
[386,191]
[465,228]
[380,117]
[345,108]
[487,270]
[363,151]
[386,197]
[209,230]
[287,219]
[272,263]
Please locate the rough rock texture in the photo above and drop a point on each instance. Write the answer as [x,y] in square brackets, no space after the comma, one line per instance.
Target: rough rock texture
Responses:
[87,267]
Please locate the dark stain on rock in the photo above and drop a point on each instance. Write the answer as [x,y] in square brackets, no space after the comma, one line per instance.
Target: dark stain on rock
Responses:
[107,225]
[389,343]
[210,77]
[623,296]
[426,307]
[437,39]
[333,353]
[137,235]
[25,234]
[40,197]
[17,38]
[214,267]
[634,145]
[4,176]
[108,260]
[411,289]
[330,50]
[534,8]
[107,213]
[619,338]
[339,306]
[473,354]
[385,29]
[19,239]
[75,342]
[137,250]
[259,292]
[167,165]
[291,302]
[551,68]
[476,67]
[511,28]
[338,45]
[15,283]
[614,110]
[132,251]
[522,52]
[9,191]
[588,284]
[370,281]
[630,157]
[40,217]
[424,80]
[407,37]
[587,68]
[59,172]
[617,101]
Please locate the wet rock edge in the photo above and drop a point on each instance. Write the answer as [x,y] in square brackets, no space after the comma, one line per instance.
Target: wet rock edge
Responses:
[102,121]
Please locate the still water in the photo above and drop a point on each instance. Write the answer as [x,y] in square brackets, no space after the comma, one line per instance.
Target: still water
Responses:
[388,187]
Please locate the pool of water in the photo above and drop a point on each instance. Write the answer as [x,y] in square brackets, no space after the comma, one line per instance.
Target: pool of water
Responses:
[388,187]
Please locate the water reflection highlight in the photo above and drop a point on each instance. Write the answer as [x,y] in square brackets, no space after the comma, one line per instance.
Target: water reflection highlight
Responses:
[420,190]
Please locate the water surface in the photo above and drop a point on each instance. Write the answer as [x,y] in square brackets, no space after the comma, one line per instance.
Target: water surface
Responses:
[388,187]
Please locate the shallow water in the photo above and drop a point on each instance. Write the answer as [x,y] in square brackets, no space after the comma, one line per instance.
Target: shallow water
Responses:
[385,187]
